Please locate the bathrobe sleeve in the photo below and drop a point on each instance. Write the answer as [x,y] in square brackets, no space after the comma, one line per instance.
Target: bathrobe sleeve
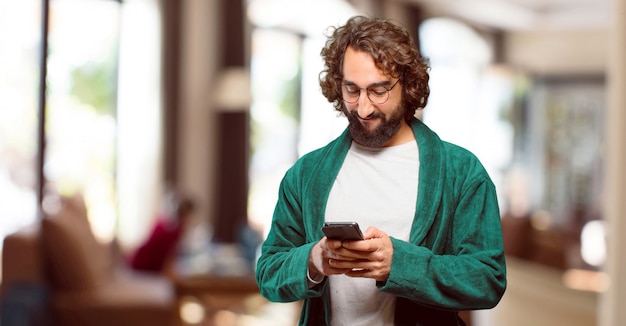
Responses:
[455,260]
[297,222]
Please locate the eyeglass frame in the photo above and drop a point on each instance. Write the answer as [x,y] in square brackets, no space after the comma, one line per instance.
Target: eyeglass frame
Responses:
[367,91]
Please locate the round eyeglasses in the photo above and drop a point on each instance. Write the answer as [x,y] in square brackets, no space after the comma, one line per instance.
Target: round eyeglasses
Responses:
[376,94]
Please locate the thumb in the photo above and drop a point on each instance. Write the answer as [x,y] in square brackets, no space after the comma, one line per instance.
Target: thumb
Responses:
[373,232]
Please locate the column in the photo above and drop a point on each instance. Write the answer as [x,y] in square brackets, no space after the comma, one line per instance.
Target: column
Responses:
[232,105]
[611,309]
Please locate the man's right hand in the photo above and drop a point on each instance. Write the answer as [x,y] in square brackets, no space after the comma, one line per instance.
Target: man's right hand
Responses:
[322,253]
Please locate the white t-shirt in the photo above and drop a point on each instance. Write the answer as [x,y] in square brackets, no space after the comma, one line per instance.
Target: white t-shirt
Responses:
[375,187]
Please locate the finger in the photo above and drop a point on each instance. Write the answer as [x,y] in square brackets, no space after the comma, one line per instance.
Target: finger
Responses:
[367,246]
[348,258]
[332,244]
[337,266]
[362,273]
[346,264]
[373,232]
[380,272]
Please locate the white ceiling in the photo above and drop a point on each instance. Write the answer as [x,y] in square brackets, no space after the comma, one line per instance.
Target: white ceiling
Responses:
[313,16]
[526,14]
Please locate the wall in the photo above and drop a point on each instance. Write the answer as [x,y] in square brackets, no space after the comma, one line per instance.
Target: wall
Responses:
[612,303]
[558,52]
[197,127]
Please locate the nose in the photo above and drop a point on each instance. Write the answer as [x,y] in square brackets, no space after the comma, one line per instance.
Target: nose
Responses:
[365,107]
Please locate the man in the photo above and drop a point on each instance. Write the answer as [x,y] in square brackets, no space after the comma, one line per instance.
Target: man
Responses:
[433,241]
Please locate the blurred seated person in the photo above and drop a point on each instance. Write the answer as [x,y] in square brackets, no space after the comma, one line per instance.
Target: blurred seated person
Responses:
[157,253]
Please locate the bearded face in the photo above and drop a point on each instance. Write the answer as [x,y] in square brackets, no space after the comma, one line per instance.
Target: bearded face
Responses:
[388,126]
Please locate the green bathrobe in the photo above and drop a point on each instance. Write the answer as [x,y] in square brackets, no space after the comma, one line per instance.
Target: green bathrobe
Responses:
[453,261]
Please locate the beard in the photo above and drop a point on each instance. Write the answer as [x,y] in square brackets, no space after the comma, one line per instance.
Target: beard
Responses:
[381,134]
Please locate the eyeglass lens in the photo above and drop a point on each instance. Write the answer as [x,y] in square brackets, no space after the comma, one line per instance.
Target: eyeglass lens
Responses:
[377,94]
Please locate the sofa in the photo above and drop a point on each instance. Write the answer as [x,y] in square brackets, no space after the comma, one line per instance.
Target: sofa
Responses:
[57,273]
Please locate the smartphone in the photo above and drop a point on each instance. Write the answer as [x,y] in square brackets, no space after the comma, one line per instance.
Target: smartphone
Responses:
[342,231]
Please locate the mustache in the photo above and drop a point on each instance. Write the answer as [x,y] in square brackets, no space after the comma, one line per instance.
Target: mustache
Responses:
[355,115]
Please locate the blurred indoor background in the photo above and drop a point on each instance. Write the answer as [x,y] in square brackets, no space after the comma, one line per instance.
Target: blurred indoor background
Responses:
[119,101]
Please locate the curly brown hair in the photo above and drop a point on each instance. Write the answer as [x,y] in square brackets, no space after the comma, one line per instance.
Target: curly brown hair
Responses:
[394,53]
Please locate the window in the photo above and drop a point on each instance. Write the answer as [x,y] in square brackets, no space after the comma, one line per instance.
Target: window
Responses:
[289,114]
[469,95]
[20,29]
[80,153]
[102,137]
